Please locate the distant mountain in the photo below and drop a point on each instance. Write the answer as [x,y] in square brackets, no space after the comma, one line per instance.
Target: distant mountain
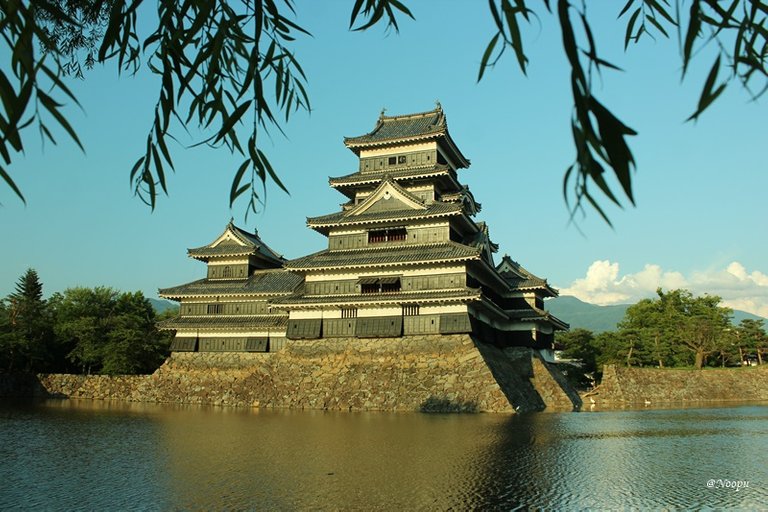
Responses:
[161,305]
[580,314]
[596,318]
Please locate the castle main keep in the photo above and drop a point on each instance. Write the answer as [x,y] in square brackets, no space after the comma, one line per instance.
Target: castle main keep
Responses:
[406,257]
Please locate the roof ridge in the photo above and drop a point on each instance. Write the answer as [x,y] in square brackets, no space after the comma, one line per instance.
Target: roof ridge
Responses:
[437,110]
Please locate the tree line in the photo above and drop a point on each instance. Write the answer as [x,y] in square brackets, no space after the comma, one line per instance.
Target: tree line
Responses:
[675,329]
[82,330]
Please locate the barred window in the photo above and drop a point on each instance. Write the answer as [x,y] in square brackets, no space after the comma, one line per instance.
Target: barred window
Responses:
[410,310]
[379,284]
[387,235]
[215,309]
[348,312]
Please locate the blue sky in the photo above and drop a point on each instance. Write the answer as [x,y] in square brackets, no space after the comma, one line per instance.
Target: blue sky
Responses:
[700,221]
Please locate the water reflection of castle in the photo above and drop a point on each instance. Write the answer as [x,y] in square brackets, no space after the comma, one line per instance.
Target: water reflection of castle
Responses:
[405,257]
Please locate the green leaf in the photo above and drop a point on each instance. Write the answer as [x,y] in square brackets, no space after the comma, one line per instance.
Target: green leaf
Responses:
[487,56]
[630,28]
[661,10]
[9,181]
[708,96]
[270,171]
[514,32]
[495,14]
[657,25]
[694,25]
[625,8]
[136,167]
[236,190]
[230,121]
[52,108]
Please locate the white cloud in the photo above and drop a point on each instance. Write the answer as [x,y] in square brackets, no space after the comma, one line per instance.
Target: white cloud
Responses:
[740,289]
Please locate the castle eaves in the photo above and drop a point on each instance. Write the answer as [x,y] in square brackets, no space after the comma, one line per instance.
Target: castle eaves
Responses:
[385,256]
[265,282]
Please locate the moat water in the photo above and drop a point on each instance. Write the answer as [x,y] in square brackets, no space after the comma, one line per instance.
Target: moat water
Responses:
[82,455]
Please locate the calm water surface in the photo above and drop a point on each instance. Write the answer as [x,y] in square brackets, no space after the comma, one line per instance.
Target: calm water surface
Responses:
[70,455]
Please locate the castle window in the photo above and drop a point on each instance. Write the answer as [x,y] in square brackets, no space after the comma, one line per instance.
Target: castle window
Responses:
[387,235]
[401,159]
[348,312]
[227,271]
[215,309]
[390,284]
[392,160]
[387,284]
[410,310]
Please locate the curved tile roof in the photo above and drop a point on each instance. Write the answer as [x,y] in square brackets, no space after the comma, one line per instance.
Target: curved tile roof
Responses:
[262,282]
[390,255]
[251,244]
[357,178]
[226,322]
[463,294]
[398,128]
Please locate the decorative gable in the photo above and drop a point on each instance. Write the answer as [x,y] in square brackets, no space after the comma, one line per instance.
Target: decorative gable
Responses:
[230,238]
[388,196]
[239,247]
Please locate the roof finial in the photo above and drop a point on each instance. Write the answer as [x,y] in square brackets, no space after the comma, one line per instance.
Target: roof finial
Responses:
[232,220]
[438,106]
[383,111]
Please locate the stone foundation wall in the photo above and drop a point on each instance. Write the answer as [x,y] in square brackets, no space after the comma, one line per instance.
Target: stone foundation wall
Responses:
[657,385]
[413,373]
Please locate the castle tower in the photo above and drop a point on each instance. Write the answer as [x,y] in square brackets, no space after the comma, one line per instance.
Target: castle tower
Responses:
[405,254]
[229,311]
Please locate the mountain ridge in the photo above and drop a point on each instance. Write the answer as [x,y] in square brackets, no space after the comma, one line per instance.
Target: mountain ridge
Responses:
[584,315]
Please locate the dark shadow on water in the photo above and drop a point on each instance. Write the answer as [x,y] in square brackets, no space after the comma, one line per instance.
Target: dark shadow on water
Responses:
[24,385]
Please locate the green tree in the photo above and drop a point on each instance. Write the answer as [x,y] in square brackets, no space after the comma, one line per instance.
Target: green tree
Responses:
[134,344]
[675,322]
[27,326]
[611,348]
[82,322]
[109,332]
[751,338]
[579,344]
[227,68]
[654,327]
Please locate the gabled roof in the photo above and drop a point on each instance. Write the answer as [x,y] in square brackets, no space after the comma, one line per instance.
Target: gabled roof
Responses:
[466,198]
[389,201]
[388,191]
[521,279]
[268,282]
[408,128]
[235,241]
[482,240]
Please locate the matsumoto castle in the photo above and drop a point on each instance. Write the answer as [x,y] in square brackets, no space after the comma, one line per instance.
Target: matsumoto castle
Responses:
[405,256]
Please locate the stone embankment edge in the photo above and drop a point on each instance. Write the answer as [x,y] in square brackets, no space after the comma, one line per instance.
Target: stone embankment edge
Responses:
[623,386]
[453,373]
